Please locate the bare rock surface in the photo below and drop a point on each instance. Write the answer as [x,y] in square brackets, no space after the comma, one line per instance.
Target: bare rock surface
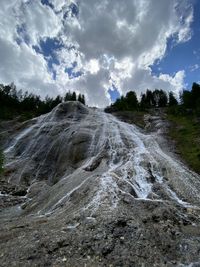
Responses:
[95,191]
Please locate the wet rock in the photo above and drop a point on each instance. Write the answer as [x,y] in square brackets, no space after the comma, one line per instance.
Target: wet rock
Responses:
[20,193]
[101,193]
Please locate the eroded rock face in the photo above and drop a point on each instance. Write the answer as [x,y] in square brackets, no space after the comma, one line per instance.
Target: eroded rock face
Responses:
[52,146]
[99,192]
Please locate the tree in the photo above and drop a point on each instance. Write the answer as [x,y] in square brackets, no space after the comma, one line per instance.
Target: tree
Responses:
[73,98]
[163,99]
[67,96]
[195,95]
[81,98]
[143,101]
[156,97]
[186,99]
[131,100]
[150,101]
[172,99]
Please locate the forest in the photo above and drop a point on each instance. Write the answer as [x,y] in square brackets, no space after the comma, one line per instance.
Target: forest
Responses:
[189,101]
[27,105]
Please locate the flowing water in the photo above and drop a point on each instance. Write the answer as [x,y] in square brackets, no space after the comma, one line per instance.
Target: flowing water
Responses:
[100,192]
[73,146]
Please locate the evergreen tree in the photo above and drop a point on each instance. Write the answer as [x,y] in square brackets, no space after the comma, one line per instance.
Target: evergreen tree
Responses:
[156,98]
[67,96]
[79,97]
[163,99]
[186,99]
[83,100]
[195,95]
[150,102]
[73,98]
[172,100]
[143,101]
[131,101]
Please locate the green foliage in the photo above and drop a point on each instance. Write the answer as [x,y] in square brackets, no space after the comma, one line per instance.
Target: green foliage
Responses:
[129,102]
[190,102]
[185,130]
[184,117]
[172,100]
[14,103]
[186,99]
[73,97]
[162,98]
[157,98]
[81,98]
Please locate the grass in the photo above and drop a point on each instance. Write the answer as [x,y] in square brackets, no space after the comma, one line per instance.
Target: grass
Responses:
[185,130]
[135,117]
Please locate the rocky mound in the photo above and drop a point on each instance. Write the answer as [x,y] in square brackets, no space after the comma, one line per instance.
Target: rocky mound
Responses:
[96,192]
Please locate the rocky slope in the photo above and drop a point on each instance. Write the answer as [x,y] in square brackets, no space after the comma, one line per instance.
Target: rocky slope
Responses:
[99,193]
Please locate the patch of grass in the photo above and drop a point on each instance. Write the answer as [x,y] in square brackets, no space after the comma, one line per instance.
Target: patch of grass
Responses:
[133,117]
[185,130]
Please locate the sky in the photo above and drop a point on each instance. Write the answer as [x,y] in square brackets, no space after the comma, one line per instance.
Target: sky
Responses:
[100,48]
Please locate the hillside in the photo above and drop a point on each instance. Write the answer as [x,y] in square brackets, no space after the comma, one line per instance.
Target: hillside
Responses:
[93,190]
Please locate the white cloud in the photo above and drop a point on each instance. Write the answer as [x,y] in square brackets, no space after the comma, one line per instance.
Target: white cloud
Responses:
[113,42]
[194,67]
[142,79]
[175,82]
[93,66]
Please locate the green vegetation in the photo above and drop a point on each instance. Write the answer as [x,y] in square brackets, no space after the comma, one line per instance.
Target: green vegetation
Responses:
[184,117]
[132,117]
[26,105]
[185,130]
[185,126]
[157,98]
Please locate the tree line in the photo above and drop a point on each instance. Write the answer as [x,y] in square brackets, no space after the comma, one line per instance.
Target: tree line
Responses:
[149,99]
[15,102]
[189,101]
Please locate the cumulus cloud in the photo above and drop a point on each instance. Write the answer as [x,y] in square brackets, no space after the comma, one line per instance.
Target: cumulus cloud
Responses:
[105,43]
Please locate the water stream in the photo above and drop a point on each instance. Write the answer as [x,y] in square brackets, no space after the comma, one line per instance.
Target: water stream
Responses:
[124,160]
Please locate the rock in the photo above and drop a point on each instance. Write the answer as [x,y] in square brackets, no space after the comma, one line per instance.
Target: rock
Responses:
[99,193]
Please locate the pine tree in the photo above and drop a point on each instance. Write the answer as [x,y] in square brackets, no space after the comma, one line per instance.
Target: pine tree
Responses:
[131,100]
[79,97]
[73,98]
[172,100]
[67,96]
[163,99]
[83,99]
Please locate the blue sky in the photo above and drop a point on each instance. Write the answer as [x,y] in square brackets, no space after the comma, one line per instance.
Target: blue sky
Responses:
[184,56]
[102,49]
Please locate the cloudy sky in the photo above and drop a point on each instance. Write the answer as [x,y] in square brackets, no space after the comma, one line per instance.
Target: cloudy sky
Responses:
[101,48]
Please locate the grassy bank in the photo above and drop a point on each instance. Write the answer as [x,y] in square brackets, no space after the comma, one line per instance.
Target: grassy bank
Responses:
[132,117]
[185,130]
